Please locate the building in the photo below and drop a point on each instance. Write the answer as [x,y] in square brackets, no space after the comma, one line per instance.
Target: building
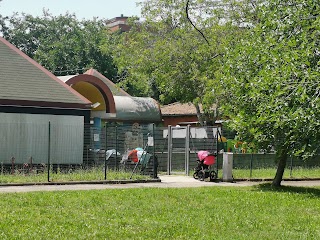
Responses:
[36,108]
[118,24]
[111,103]
[179,114]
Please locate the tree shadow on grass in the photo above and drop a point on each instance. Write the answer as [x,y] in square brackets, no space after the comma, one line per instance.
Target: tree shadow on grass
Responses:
[310,191]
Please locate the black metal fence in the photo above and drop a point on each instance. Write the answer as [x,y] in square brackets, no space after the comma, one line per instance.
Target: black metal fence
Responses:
[91,153]
[263,165]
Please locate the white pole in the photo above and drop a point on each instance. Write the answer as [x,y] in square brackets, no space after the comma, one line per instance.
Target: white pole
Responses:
[227,167]
[187,150]
[169,149]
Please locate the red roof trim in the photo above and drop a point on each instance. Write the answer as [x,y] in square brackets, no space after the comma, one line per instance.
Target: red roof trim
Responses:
[92,71]
[89,72]
[98,83]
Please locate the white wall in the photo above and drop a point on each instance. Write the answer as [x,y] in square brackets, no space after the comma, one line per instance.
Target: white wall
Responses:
[27,135]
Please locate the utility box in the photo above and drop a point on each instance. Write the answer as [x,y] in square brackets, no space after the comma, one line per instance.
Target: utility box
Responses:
[227,167]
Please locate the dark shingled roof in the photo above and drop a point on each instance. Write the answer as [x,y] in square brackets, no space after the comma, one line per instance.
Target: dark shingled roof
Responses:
[24,82]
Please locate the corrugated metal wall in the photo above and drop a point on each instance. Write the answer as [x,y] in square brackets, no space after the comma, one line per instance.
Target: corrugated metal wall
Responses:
[23,136]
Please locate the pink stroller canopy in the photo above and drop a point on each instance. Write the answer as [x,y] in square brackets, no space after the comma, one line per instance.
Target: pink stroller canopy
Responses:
[206,157]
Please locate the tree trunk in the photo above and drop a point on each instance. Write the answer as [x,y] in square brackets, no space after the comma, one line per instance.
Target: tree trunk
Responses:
[199,114]
[282,161]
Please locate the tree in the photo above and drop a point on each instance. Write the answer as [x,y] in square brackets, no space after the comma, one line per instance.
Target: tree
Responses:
[1,18]
[62,44]
[269,84]
[165,56]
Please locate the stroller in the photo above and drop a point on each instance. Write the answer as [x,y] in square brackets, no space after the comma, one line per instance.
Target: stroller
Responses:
[202,171]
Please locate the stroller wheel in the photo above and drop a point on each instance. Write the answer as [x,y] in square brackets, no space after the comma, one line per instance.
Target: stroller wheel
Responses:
[201,175]
[195,175]
[213,175]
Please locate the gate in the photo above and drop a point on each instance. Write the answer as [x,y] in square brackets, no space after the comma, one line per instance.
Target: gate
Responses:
[183,144]
[175,148]
[178,146]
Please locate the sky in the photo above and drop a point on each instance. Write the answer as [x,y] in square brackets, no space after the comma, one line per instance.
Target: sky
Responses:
[84,9]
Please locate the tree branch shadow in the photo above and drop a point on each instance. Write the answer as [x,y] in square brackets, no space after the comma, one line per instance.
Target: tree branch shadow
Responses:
[310,191]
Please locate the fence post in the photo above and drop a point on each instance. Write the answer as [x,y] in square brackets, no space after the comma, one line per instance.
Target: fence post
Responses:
[106,148]
[12,165]
[251,163]
[87,156]
[31,164]
[219,135]
[155,160]
[116,157]
[187,150]
[291,163]
[49,149]
[169,150]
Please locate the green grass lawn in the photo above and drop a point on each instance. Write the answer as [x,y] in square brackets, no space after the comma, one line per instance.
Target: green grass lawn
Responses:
[263,173]
[149,213]
[93,174]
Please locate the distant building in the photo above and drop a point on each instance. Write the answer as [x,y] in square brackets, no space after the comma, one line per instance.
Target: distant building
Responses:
[181,114]
[118,24]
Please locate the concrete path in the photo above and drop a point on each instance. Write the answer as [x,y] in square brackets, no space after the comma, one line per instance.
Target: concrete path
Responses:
[171,181]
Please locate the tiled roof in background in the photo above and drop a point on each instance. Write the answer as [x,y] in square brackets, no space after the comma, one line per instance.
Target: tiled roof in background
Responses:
[179,109]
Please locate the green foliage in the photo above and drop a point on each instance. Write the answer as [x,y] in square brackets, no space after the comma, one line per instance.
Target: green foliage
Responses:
[270,81]
[62,44]
[165,57]
[1,17]
[149,213]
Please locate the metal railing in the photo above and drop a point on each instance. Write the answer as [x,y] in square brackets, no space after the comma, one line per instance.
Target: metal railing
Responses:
[68,152]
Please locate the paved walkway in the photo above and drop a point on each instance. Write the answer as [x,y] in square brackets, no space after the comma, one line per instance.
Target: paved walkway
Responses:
[172,181]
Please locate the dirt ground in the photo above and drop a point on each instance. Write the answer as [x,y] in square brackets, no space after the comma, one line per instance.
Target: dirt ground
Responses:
[167,181]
